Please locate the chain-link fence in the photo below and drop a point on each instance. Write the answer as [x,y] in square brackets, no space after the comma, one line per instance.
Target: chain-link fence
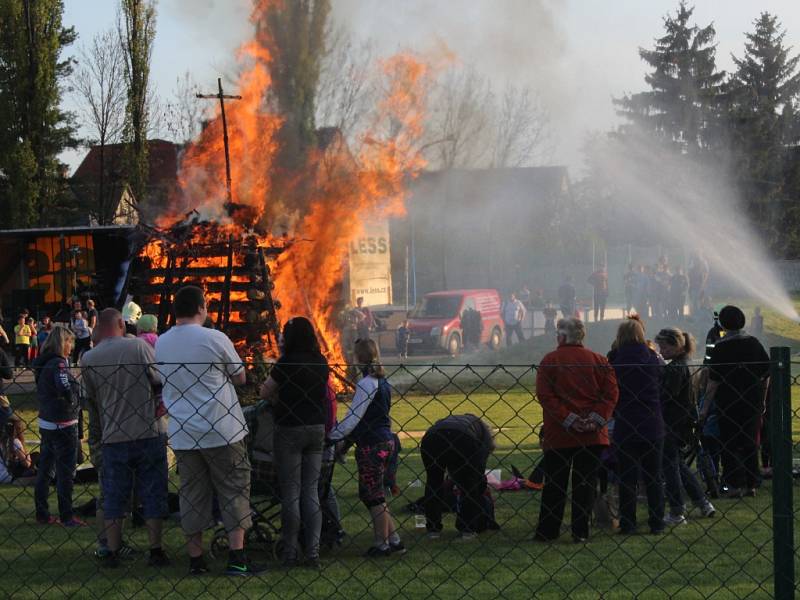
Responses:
[568,479]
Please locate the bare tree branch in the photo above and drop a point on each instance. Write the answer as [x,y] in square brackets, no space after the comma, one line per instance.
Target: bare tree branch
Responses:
[521,129]
[348,85]
[459,122]
[183,115]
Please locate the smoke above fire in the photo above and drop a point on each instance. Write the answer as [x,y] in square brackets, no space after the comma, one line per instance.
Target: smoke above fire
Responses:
[318,212]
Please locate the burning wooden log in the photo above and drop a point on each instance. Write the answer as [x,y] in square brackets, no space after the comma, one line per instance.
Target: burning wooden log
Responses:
[232,269]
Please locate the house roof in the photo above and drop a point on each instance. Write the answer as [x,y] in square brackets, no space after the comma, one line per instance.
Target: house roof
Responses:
[162,158]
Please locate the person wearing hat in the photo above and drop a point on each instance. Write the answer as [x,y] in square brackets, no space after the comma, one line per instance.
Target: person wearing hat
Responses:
[738,378]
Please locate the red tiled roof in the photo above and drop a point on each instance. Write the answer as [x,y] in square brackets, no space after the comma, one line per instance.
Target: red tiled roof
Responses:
[162,157]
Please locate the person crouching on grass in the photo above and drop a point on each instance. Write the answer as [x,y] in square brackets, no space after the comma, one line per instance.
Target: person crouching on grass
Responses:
[367,424]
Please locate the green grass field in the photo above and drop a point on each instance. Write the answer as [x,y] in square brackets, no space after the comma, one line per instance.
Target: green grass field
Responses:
[729,556]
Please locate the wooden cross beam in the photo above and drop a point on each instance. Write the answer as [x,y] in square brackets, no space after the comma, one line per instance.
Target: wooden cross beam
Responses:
[222,97]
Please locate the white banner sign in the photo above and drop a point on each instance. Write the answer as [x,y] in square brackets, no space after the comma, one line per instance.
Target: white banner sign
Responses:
[371,265]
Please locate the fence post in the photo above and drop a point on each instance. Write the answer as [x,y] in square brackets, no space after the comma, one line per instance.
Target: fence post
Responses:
[780,430]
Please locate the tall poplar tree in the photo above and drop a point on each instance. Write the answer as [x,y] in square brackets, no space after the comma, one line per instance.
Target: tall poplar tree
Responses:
[137,32]
[35,130]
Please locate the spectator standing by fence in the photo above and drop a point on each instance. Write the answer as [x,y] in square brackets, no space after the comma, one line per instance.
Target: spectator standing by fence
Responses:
[629,284]
[680,412]
[120,380]
[22,341]
[599,282]
[738,378]
[83,334]
[198,368]
[513,316]
[578,392]
[367,423]
[638,425]
[57,392]
[297,387]
[566,298]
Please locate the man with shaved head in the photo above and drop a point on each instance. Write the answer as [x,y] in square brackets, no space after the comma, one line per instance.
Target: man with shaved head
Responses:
[121,381]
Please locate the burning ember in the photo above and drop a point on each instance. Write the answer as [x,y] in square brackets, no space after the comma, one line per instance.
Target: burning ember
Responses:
[290,230]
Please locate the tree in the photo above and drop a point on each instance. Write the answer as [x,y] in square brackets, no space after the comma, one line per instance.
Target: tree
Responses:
[683,103]
[347,87]
[521,129]
[99,85]
[458,129]
[295,32]
[184,113]
[137,29]
[34,128]
[764,92]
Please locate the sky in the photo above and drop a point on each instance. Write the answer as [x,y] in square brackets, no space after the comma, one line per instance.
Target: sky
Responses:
[577,54]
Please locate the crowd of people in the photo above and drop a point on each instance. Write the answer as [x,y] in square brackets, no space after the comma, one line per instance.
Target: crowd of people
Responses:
[623,417]
[628,414]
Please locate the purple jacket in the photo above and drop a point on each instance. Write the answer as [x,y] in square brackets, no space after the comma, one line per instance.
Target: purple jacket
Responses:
[638,416]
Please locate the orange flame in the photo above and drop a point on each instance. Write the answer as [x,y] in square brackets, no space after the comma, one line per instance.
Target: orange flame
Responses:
[347,184]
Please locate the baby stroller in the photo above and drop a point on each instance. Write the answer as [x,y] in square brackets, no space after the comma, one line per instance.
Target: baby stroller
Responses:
[264,536]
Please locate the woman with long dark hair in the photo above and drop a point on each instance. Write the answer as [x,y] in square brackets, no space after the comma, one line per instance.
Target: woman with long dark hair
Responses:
[297,388]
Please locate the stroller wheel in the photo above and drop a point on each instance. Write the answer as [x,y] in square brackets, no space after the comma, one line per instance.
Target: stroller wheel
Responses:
[260,539]
[219,545]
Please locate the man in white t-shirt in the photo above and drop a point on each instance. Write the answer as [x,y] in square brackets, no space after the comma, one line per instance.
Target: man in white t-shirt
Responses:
[199,368]
[513,315]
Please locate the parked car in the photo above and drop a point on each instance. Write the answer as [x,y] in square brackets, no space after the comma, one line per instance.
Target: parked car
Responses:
[436,323]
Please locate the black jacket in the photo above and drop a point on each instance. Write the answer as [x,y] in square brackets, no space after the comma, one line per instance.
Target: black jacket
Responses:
[677,399]
[469,425]
[56,389]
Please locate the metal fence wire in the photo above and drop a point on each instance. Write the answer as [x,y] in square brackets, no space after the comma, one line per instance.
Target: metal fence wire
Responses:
[547,481]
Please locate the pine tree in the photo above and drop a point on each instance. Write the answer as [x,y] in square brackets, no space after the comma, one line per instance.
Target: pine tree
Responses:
[137,31]
[682,105]
[764,92]
[34,128]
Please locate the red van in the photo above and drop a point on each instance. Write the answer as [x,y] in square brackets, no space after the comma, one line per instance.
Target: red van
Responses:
[436,324]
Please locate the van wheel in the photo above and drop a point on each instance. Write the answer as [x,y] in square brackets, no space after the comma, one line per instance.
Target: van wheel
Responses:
[496,339]
[454,345]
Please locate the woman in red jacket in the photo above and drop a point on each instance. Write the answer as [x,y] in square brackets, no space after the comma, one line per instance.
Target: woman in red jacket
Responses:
[578,391]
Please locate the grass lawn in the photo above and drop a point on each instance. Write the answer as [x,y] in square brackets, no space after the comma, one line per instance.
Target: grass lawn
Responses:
[729,556]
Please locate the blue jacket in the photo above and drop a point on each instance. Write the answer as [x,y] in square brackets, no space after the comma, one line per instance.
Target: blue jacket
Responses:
[56,389]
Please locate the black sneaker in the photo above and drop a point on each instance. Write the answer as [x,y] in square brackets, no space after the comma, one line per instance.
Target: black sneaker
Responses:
[198,567]
[243,568]
[109,560]
[376,552]
[397,548]
[313,563]
[158,558]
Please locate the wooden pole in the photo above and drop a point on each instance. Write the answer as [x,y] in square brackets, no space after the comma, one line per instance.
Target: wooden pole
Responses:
[222,97]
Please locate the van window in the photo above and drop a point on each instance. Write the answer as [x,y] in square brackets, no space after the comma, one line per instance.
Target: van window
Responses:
[438,307]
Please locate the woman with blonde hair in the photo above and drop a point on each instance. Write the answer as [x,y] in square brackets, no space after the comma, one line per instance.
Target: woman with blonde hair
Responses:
[680,411]
[57,394]
[638,424]
[368,425]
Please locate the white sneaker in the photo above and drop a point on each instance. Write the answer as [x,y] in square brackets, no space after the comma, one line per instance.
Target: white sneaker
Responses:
[674,520]
[433,535]
[467,536]
[708,510]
